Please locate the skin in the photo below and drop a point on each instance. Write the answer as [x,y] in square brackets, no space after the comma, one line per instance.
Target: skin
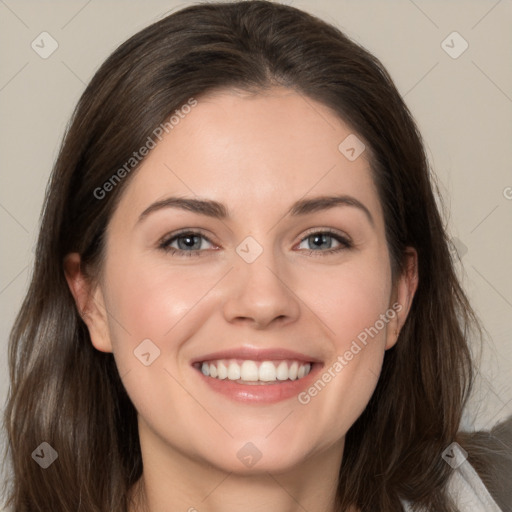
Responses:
[257,154]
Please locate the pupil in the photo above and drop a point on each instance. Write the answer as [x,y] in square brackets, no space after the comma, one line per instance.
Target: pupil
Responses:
[319,238]
[188,240]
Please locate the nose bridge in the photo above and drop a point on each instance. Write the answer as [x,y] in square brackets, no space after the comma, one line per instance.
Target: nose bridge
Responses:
[260,291]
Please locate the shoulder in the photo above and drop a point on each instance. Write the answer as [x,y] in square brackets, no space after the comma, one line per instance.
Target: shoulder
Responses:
[482,469]
[490,457]
[467,488]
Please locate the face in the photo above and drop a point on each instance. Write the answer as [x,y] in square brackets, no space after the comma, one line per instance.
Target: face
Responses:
[257,335]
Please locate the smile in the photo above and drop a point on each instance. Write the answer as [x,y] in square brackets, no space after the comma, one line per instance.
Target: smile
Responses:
[253,375]
[255,372]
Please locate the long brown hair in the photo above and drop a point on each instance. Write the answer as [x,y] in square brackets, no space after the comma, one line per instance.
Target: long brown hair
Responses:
[70,395]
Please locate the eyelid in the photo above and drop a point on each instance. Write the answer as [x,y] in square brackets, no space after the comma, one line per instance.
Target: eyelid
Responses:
[185,231]
[330,231]
[343,239]
[169,236]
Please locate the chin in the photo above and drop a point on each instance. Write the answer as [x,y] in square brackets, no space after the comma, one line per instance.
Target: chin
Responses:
[260,456]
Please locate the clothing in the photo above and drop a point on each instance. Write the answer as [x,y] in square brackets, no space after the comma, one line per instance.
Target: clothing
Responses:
[466,488]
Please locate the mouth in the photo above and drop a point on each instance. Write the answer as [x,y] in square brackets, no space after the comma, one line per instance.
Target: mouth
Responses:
[257,376]
[249,372]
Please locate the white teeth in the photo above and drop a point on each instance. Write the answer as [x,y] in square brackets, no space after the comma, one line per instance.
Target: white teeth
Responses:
[267,372]
[222,371]
[282,371]
[254,371]
[292,371]
[233,371]
[249,371]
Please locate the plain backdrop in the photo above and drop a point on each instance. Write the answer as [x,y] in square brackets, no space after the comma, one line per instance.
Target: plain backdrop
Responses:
[462,103]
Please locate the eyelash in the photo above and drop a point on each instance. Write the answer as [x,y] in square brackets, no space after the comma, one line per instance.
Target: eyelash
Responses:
[164,244]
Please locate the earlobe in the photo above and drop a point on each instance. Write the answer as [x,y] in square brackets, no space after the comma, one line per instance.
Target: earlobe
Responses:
[89,302]
[403,296]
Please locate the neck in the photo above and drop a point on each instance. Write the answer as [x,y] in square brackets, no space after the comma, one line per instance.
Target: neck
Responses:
[173,481]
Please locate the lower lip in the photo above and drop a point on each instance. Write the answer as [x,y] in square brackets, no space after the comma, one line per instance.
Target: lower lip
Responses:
[261,393]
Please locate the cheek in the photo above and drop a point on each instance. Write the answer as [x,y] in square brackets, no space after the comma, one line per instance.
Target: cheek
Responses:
[353,307]
[362,298]
[150,300]
[351,297]
[155,301]
[361,322]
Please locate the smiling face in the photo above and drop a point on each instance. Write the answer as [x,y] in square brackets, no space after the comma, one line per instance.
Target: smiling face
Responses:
[268,283]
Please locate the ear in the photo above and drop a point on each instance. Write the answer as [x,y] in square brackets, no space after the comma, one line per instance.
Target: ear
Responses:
[89,301]
[402,296]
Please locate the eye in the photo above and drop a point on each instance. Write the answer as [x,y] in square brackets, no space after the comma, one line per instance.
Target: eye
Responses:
[319,239]
[189,243]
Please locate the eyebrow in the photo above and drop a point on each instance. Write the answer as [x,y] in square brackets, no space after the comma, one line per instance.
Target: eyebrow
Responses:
[219,211]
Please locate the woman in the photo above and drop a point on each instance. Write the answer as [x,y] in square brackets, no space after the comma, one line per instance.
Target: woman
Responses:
[186,343]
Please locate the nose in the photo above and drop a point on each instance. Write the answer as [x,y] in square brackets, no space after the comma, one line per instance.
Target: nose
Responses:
[261,293]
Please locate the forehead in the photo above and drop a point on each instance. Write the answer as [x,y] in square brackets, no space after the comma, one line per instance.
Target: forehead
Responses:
[253,152]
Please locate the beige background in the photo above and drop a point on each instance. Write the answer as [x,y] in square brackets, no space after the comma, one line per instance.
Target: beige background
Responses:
[463,107]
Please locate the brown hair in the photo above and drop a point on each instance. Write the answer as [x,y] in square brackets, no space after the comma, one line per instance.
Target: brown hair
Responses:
[63,390]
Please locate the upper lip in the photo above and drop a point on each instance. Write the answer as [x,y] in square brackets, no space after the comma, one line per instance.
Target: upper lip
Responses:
[257,354]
